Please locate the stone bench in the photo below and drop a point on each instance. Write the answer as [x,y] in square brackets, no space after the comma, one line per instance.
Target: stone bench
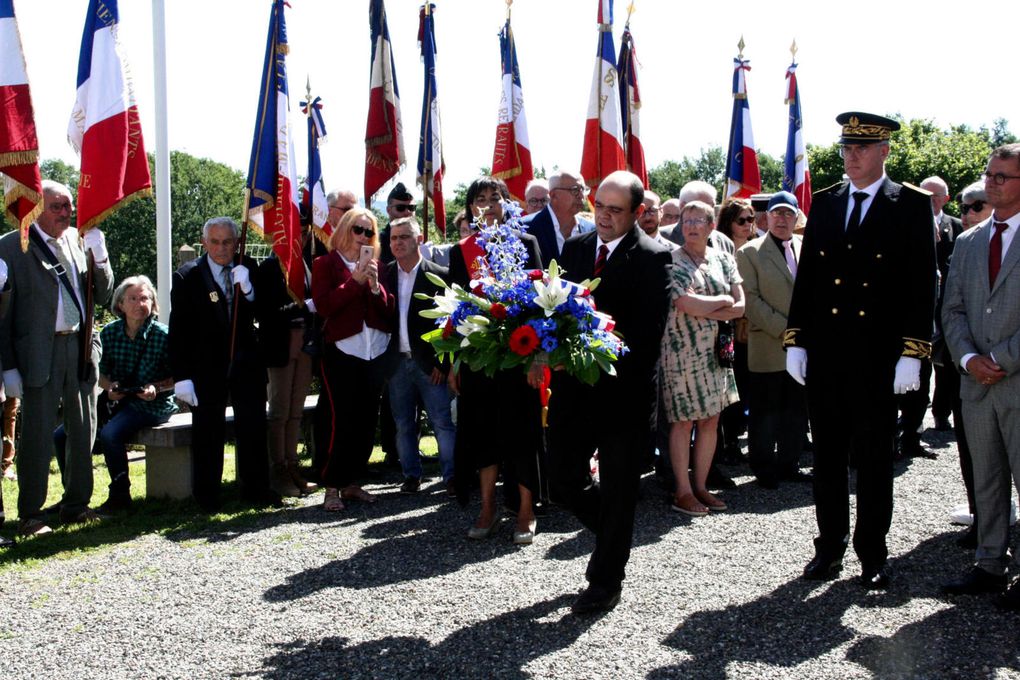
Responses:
[168,452]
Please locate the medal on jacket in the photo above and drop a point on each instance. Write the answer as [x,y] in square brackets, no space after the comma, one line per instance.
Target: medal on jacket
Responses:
[214,296]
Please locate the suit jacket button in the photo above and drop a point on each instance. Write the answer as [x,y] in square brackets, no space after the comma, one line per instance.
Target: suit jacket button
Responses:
[988,311]
[878,256]
[821,253]
[860,313]
[837,282]
[865,284]
[835,310]
[849,246]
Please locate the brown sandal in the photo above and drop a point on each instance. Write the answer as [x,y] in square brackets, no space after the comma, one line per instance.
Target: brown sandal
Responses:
[689,505]
[332,502]
[356,493]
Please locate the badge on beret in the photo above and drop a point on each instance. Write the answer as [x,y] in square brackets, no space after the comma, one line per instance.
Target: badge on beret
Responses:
[214,296]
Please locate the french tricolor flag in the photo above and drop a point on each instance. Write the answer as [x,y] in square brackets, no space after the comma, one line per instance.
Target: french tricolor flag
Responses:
[384,132]
[105,129]
[271,192]
[511,157]
[603,131]
[742,175]
[19,146]
[630,106]
[796,175]
[318,207]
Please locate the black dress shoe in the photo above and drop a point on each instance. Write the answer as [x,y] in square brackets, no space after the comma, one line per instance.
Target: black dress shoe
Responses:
[874,577]
[942,425]
[823,568]
[968,539]
[799,477]
[975,581]
[717,479]
[1010,600]
[768,482]
[596,599]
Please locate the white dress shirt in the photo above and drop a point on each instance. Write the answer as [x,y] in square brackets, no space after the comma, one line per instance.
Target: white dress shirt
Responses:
[560,238]
[870,190]
[405,291]
[61,326]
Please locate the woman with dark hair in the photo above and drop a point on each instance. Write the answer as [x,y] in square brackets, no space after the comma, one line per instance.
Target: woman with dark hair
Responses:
[358,317]
[499,418]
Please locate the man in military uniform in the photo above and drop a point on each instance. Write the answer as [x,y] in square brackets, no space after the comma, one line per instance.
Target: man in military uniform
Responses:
[860,324]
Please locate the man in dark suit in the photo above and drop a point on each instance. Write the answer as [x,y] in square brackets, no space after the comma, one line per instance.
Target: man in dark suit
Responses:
[860,325]
[206,293]
[617,413]
[556,222]
[417,374]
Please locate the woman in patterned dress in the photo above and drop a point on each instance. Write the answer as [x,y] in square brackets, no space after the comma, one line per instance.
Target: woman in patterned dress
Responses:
[706,290]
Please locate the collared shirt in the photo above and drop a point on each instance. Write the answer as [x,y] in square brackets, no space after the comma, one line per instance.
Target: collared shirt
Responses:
[138,362]
[217,272]
[611,245]
[61,326]
[560,238]
[370,342]
[870,190]
[405,288]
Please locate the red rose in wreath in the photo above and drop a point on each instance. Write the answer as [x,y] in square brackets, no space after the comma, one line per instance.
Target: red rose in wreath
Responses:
[536,274]
[448,329]
[523,341]
[498,311]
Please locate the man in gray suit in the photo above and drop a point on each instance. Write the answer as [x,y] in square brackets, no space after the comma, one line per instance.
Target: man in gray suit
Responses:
[42,348]
[981,322]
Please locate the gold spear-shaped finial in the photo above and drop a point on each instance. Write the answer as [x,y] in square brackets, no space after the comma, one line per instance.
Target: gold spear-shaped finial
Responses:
[740,46]
[630,10]
[793,49]
[508,3]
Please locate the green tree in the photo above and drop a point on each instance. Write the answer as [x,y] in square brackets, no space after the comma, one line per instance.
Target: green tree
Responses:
[771,170]
[669,177]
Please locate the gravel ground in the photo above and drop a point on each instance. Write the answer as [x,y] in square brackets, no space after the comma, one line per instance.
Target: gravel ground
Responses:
[395,590]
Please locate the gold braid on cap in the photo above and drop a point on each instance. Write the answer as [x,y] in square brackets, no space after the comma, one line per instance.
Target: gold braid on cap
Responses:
[853,128]
[917,349]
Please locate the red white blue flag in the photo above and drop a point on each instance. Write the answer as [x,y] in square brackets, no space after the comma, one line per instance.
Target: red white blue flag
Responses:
[511,158]
[318,207]
[271,193]
[742,175]
[796,175]
[105,129]
[19,145]
[430,154]
[630,106]
[603,131]
[384,133]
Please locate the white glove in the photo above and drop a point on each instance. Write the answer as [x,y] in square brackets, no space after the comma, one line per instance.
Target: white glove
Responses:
[96,242]
[796,364]
[12,384]
[3,273]
[908,375]
[185,391]
[309,303]
[240,276]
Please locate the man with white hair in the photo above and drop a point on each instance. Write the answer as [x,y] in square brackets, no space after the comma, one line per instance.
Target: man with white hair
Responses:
[558,221]
[47,354]
[697,190]
[339,202]
[536,196]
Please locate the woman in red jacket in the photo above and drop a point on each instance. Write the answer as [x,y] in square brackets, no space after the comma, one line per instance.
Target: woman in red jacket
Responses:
[359,315]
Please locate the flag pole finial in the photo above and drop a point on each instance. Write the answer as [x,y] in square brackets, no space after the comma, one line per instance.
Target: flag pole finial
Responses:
[630,10]
[740,46]
[308,88]
[793,49]
[508,3]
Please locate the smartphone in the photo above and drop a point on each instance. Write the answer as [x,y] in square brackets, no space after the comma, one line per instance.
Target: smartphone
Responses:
[366,255]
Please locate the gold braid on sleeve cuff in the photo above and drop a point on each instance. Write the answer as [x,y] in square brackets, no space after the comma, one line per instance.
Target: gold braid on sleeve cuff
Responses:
[790,337]
[917,349]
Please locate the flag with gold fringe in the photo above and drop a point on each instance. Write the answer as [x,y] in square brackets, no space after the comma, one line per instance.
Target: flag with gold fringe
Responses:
[511,157]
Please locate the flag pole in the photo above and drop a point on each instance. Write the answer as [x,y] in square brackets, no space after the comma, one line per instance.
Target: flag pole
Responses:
[426,166]
[164,228]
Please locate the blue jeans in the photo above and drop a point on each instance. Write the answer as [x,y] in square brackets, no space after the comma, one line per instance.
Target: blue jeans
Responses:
[113,438]
[407,384]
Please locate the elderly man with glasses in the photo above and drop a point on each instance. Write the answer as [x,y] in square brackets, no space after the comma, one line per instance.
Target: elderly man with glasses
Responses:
[536,196]
[558,221]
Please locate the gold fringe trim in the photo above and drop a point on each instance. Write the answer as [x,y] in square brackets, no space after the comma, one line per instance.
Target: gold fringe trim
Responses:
[15,193]
[917,349]
[321,234]
[95,221]
[10,158]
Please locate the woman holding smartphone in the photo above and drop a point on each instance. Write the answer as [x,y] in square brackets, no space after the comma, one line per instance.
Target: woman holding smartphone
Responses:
[358,317]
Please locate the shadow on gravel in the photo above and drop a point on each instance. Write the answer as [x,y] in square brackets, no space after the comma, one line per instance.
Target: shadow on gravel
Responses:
[498,647]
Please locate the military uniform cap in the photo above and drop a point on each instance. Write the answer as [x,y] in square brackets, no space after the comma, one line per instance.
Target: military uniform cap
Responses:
[865,128]
[400,193]
[760,202]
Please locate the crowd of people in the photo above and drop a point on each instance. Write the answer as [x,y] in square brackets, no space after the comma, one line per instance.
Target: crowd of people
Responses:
[743,317]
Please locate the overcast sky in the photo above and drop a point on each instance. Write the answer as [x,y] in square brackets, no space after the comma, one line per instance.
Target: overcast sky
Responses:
[914,59]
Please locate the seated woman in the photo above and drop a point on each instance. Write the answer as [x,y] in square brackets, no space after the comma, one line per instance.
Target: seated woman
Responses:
[695,387]
[358,316]
[135,373]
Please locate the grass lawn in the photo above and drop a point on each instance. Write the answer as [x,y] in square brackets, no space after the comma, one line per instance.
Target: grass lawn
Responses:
[146,516]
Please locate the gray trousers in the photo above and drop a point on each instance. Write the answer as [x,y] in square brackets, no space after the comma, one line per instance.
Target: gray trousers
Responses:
[39,417]
[993,433]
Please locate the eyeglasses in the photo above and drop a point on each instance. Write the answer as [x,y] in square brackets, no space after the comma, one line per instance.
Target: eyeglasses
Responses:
[699,222]
[60,207]
[744,220]
[854,150]
[574,190]
[611,209]
[976,206]
[404,207]
[339,207]
[138,299]
[359,230]
[999,178]
[652,211]
[537,201]
[782,212]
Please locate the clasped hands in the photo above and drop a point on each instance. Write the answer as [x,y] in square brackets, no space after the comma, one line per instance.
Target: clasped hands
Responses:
[984,369]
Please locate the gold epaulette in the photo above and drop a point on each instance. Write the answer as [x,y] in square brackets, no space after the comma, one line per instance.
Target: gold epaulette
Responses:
[828,188]
[790,337]
[917,349]
[918,189]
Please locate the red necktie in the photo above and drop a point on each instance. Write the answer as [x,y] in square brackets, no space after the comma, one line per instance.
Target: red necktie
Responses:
[600,261]
[994,253]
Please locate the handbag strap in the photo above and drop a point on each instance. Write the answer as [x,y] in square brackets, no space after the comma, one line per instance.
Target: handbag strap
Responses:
[61,272]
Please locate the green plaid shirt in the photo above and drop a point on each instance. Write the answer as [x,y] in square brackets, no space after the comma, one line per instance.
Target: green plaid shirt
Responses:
[141,361]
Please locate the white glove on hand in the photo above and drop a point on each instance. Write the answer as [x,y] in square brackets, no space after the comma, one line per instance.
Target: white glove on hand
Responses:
[796,364]
[240,276]
[185,391]
[12,384]
[908,375]
[3,273]
[96,242]
[309,303]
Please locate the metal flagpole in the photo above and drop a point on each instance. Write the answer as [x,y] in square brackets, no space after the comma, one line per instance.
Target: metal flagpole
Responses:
[164,264]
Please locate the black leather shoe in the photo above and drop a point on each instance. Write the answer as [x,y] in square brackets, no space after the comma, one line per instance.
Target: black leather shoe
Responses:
[717,479]
[968,539]
[410,486]
[595,599]
[768,482]
[942,425]
[799,477]
[975,581]
[823,568]
[874,577]
[1010,600]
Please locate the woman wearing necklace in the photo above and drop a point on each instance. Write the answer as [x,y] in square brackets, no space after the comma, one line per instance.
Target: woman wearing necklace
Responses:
[696,388]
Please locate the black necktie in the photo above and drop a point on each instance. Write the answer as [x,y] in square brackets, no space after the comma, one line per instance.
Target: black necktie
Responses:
[995,253]
[600,261]
[855,213]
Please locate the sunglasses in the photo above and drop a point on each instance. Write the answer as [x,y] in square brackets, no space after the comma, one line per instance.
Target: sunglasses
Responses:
[359,230]
[744,220]
[976,206]
[404,207]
